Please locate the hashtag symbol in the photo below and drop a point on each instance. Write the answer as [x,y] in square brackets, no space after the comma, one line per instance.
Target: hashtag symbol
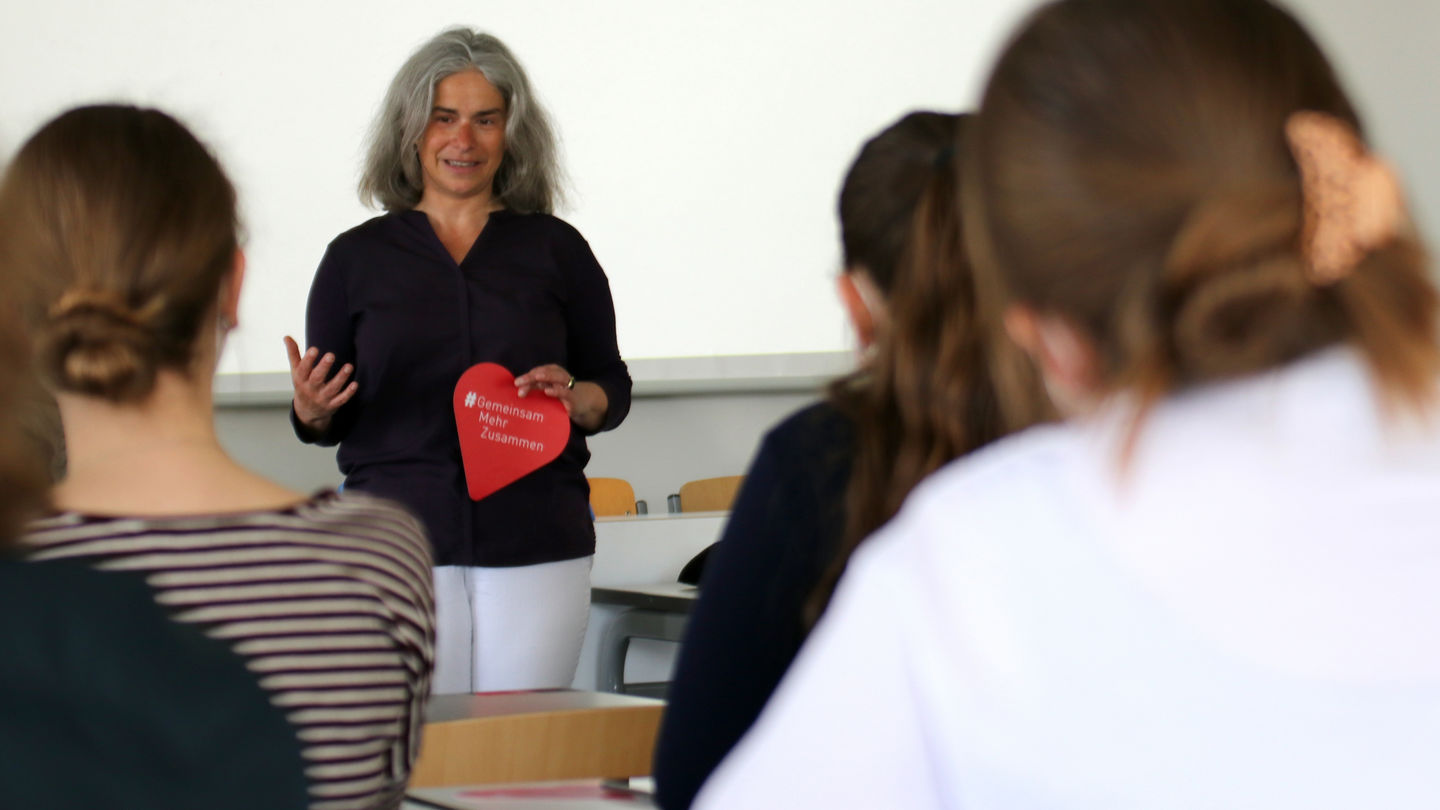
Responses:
[470,400]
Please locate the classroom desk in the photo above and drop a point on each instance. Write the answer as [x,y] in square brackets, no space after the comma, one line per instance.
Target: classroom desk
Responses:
[535,735]
[669,597]
[658,612]
[641,550]
[651,548]
[586,794]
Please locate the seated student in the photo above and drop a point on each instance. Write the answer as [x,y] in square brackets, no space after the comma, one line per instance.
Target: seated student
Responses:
[106,702]
[1214,586]
[833,472]
[123,230]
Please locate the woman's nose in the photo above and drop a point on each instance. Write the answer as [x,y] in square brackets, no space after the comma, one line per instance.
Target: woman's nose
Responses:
[465,136]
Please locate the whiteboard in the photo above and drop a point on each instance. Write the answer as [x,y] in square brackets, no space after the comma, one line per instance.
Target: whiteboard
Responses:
[705,142]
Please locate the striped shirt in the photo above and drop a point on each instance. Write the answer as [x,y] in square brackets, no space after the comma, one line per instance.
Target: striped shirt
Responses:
[330,603]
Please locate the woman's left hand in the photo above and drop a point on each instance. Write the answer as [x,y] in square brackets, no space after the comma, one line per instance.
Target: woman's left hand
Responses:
[586,402]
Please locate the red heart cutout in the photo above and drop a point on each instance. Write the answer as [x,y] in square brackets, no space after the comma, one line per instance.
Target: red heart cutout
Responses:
[504,438]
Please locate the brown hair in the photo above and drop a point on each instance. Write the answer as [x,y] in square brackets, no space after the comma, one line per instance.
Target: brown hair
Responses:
[22,470]
[120,227]
[1130,173]
[928,394]
[884,186]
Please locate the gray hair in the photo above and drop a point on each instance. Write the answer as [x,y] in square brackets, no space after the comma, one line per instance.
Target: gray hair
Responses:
[529,178]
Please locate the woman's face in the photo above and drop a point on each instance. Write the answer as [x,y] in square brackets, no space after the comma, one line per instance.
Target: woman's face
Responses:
[464,141]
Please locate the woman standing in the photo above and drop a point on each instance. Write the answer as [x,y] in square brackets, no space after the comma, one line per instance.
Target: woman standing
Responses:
[467,266]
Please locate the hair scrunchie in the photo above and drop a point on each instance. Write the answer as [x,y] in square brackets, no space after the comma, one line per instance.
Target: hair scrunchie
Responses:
[1352,200]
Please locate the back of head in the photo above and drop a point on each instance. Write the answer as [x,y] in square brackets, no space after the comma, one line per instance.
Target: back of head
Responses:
[1131,173]
[928,394]
[118,229]
[529,177]
[883,188]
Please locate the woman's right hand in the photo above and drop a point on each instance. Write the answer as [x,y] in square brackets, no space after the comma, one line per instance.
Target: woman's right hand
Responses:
[316,398]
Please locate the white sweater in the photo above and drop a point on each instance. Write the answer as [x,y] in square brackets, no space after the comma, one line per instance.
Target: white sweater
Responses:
[1248,615]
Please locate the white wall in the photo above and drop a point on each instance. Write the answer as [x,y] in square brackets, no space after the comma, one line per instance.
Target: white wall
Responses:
[1385,49]
[1388,54]
[283,88]
[705,140]
[665,442]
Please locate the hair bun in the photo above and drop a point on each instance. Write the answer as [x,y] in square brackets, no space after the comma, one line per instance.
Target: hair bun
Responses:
[1240,301]
[94,343]
[1243,320]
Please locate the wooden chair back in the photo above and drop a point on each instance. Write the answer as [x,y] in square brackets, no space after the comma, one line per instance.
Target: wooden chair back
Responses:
[611,496]
[709,494]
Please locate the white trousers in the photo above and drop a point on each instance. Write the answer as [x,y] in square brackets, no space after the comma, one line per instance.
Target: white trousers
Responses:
[510,628]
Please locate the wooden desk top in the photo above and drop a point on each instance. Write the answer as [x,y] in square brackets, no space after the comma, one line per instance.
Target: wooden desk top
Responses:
[450,708]
[563,795]
[541,735]
[668,597]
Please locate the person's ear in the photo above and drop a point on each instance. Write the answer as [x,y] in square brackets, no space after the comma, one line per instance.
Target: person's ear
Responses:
[854,302]
[230,293]
[864,303]
[1066,357]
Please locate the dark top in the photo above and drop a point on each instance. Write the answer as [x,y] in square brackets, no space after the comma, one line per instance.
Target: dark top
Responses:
[390,299]
[748,624]
[106,702]
[329,601]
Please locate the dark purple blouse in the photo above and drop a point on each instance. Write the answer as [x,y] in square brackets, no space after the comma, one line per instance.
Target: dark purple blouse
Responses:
[389,298]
